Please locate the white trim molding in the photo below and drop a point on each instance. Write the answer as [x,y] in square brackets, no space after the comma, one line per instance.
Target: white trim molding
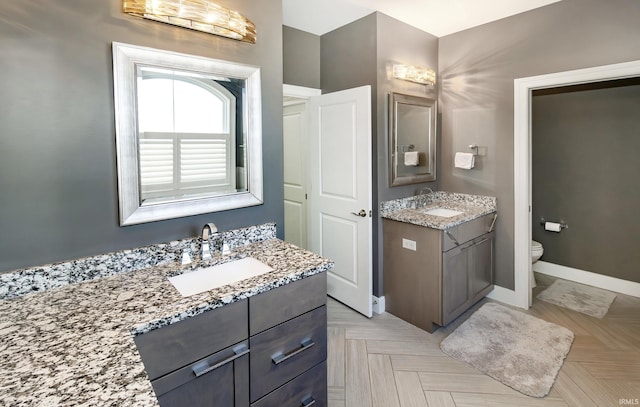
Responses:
[586,277]
[300,91]
[503,295]
[523,88]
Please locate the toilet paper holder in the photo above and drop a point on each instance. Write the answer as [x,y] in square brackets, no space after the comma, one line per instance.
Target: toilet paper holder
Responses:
[562,223]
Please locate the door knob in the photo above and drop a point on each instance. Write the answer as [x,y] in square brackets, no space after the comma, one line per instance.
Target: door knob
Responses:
[362,213]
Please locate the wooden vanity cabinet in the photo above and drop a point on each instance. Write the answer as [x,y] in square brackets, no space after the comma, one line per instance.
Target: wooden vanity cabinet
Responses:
[222,379]
[268,350]
[288,328]
[202,360]
[467,276]
[432,276]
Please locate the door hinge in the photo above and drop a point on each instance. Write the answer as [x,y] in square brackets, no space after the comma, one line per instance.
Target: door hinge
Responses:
[305,196]
[370,213]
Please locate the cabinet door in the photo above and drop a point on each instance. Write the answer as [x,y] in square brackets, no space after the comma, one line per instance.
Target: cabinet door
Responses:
[455,283]
[481,266]
[220,380]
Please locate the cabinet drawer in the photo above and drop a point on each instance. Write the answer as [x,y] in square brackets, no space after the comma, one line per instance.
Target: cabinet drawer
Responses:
[284,351]
[307,389]
[466,231]
[283,303]
[221,379]
[169,348]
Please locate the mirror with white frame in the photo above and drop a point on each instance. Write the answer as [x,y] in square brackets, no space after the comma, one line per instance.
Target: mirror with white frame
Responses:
[412,139]
[188,134]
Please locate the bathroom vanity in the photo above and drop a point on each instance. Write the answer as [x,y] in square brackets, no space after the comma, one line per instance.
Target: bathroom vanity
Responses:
[437,266]
[113,330]
[266,350]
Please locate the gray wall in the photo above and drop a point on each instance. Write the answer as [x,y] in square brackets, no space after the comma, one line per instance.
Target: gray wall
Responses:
[363,53]
[57,138]
[585,172]
[397,43]
[348,56]
[477,68]
[301,58]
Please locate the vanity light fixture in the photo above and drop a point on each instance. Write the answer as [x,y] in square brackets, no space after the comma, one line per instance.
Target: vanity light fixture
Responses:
[199,15]
[414,74]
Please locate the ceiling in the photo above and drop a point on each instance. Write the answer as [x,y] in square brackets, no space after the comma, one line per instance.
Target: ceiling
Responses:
[437,17]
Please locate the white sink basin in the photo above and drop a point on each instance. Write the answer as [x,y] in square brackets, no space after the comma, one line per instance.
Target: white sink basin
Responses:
[205,279]
[443,212]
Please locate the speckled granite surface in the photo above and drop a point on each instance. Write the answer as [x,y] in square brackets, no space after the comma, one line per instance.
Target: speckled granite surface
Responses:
[42,278]
[73,345]
[412,209]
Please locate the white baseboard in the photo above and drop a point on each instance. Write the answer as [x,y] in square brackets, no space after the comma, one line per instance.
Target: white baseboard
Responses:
[378,304]
[586,277]
[504,295]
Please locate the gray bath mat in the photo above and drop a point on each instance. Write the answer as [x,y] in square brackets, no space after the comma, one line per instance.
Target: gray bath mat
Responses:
[578,297]
[519,350]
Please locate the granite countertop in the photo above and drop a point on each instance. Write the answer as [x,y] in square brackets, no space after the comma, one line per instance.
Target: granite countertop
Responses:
[73,345]
[412,209]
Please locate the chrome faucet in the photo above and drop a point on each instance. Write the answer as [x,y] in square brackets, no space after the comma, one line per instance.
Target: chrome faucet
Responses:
[207,230]
[421,195]
[425,190]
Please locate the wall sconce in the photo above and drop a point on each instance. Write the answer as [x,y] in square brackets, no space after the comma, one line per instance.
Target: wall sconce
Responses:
[199,15]
[414,74]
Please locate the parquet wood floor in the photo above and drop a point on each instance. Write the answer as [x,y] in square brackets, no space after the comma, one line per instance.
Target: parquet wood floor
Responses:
[386,362]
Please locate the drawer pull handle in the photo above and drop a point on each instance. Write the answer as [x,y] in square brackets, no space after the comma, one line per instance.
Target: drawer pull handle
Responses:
[281,357]
[452,237]
[493,223]
[203,367]
[308,401]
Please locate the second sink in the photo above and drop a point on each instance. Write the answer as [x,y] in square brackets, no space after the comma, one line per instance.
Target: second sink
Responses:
[443,212]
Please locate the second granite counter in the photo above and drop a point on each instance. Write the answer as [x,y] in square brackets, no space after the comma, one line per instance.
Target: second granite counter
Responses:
[413,209]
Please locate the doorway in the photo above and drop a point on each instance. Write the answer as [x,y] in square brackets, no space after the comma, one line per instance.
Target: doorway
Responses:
[334,194]
[523,88]
[295,125]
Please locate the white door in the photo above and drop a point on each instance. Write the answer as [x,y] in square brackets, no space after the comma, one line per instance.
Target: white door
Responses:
[340,192]
[295,173]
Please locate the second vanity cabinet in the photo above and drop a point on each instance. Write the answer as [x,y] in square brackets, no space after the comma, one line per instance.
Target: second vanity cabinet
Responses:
[267,350]
[432,276]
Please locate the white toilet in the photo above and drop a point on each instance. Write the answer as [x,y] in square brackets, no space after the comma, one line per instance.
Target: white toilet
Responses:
[536,251]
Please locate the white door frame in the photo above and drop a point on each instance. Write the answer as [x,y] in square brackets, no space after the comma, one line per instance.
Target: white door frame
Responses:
[299,91]
[523,88]
[301,95]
